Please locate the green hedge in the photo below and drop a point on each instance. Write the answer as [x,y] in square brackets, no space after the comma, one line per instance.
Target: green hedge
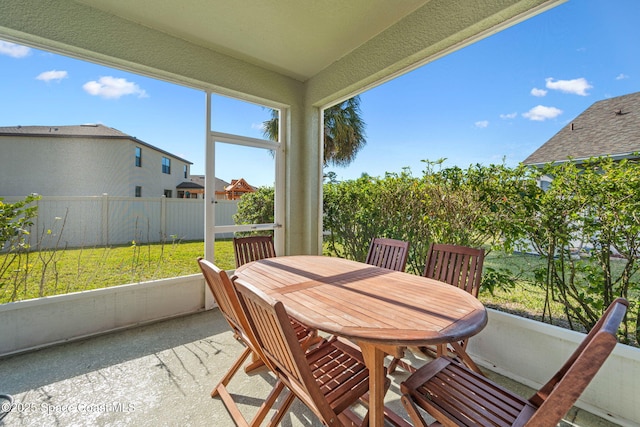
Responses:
[585,225]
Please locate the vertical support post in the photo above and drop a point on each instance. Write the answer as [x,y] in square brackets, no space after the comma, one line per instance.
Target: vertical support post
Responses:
[163,217]
[209,189]
[105,219]
[209,200]
[280,191]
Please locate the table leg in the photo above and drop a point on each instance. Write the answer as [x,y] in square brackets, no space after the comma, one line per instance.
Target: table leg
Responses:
[374,359]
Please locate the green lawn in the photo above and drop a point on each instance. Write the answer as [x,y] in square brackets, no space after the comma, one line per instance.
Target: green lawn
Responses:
[525,299]
[72,270]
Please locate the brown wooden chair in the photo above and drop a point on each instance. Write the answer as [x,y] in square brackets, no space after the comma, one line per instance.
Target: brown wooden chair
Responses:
[391,254]
[227,300]
[229,305]
[388,253]
[457,396]
[253,248]
[456,265]
[328,379]
[459,266]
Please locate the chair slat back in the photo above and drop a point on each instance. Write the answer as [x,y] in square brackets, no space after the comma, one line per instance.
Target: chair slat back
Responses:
[227,300]
[217,281]
[276,336]
[388,253]
[253,248]
[459,266]
[559,394]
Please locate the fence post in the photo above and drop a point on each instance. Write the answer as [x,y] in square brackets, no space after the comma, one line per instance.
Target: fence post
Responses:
[163,217]
[105,219]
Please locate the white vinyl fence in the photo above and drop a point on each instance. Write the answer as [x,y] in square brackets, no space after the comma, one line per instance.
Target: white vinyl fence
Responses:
[106,220]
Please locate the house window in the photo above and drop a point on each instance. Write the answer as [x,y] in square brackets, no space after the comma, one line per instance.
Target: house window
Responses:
[138,191]
[167,194]
[184,170]
[138,157]
[166,165]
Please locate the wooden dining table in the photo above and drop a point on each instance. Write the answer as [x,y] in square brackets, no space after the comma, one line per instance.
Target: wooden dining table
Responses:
[376,308]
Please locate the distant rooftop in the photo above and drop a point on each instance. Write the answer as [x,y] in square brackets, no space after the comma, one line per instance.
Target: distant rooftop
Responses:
[78,131]
[610,127]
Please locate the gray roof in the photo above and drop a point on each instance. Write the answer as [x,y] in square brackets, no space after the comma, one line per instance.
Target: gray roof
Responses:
[78,131]
[190,184]
[607,128]
[219,186]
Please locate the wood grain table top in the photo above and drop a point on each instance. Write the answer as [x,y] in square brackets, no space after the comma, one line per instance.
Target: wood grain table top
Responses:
[366,303]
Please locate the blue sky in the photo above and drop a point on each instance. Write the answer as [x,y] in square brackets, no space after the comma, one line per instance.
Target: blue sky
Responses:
[500,98]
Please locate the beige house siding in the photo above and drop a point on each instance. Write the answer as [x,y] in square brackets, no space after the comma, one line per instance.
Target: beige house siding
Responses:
[83,166]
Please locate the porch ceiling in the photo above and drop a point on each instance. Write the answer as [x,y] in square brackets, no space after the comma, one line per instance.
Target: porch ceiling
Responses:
[345,46]
[292,37]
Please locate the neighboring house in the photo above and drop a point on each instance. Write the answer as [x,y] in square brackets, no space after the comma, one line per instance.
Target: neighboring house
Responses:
[610,127]
[86,160]
[190,190]
[237,189]
[224,190]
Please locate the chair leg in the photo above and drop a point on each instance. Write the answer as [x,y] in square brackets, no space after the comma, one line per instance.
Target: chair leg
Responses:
[459,351]
[412,410]
[282,409]
[231,372]
[268,403]
[455,350]
[256,363]
[401,363]
[392,366]
[311,342]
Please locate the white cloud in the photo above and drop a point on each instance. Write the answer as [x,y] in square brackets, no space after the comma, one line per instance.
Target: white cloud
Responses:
[482,124]
[541,113]
[47,76]
[113,88]
[258,126]
[538,92]
[13,50]
[508,116]
[575,86]
[621,76]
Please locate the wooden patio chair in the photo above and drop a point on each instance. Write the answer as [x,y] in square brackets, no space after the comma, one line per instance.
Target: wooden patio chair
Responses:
[457,396]
[388,253]
[459,266]
[253,248]
[456,265]
[227,300]
[328,379]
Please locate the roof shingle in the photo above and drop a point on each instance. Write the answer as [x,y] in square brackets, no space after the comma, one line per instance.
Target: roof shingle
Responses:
[610,127]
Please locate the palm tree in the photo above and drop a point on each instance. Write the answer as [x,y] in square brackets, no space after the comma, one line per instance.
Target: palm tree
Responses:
[343,132]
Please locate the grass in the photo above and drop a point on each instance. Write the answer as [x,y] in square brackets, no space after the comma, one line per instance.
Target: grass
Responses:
[72,270]
[525,298]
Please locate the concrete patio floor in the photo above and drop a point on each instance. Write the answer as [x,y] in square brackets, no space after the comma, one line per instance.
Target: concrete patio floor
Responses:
[157,375]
